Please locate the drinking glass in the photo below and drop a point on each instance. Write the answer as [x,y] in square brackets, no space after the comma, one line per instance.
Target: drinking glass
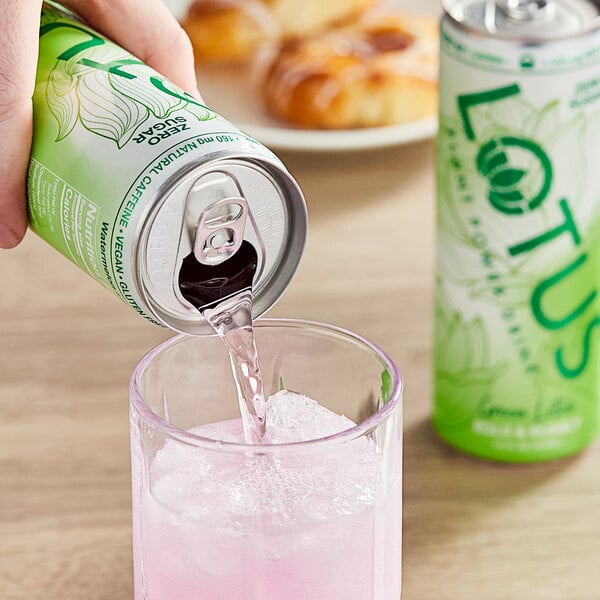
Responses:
[223,520]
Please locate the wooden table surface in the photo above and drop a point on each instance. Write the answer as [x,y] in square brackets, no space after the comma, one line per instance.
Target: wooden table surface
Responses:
[472,530]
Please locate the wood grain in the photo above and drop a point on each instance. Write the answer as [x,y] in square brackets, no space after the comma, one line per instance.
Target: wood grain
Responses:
[473,530]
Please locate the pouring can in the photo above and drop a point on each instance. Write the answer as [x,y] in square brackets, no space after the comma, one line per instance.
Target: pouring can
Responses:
[127,173]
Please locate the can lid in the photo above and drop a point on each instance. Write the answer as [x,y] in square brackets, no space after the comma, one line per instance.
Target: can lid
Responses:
[205,214]
[526,20]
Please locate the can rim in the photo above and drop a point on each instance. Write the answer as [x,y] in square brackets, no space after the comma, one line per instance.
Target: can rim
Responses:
[280,277]
[449,8]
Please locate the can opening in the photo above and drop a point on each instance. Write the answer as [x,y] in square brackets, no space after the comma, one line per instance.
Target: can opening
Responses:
[204,285]
[252,222]
[222,263]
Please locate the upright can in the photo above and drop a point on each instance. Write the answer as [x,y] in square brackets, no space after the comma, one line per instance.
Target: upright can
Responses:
[136,182]
[517,306]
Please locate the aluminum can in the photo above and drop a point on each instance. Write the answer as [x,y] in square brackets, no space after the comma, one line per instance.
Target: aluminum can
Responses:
[127,171]
[517,305]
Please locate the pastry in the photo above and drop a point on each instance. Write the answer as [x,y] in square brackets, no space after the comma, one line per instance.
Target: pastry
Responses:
[228,30]
[379,69]
[232,30]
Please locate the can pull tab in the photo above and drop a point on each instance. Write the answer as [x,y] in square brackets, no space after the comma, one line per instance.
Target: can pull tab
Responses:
[526,10]
[220,230]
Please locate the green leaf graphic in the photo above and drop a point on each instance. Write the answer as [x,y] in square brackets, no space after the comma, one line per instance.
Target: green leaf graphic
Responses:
[110,104]
[50,15]
[464,371]
[507,178]
[386,386]
[200,113]
[545,123]
[495,161]
[105,113]
[508,202]
[159,104]
[62,100]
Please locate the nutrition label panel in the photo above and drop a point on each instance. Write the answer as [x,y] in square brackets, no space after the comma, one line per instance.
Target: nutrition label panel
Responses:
[70,216]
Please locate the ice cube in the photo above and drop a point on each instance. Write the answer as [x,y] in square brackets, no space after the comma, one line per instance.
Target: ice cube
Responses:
[279,492]
[293,417]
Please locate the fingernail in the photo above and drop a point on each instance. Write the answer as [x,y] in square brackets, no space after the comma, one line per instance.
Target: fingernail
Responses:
[8,237]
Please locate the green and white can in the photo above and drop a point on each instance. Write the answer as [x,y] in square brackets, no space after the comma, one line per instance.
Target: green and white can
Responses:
[517,304]
[127,170]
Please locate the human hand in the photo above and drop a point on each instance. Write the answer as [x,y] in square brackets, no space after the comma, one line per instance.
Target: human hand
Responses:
[145,28]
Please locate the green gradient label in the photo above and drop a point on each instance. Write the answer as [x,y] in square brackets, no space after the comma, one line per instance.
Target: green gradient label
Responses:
[109,134]
[517,310]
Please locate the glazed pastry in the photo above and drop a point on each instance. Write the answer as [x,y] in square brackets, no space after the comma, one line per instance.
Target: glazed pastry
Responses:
[229,30]
[301,17]
[380,69]
[232,30]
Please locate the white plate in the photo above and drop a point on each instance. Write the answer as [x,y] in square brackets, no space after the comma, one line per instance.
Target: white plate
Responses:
[232,93]
[351,139]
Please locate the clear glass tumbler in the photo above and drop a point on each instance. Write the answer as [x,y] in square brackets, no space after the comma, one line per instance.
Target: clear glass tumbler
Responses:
[312,520]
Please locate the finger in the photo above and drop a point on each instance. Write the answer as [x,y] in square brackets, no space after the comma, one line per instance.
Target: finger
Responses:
[18,57]
[147,29]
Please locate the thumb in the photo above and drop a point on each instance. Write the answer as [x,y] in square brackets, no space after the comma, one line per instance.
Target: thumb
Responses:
[147,29]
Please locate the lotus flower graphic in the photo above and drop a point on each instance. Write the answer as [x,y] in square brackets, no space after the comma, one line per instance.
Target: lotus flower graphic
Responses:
[108,104]
[510,186]
[465,372]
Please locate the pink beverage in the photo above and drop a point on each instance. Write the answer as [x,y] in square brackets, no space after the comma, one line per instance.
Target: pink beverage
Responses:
[312,513]
[201,534]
